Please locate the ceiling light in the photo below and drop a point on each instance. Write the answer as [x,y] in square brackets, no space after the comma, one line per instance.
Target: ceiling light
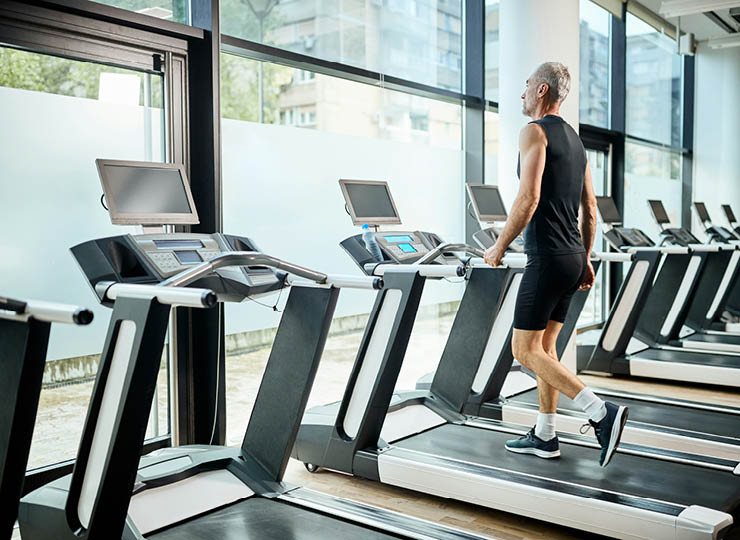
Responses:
[679,8]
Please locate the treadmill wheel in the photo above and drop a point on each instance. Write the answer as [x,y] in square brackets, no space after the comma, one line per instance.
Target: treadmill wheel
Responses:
[310,467]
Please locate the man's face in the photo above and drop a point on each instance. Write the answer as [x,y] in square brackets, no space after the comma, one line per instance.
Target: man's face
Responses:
[529,97]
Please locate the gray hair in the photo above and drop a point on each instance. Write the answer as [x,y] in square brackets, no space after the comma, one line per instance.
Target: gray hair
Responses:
[557,77]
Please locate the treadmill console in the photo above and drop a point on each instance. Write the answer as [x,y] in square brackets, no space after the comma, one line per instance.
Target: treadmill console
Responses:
[152,258]
[623,237]
[486,238]
[402,247]
[679,236]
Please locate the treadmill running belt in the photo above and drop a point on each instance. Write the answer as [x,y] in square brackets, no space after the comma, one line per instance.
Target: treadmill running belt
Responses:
[722,339]
[689,357]
[267,519]
[632,475]
[660,414]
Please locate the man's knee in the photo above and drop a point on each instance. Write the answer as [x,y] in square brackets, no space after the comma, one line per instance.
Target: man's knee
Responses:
[521,347]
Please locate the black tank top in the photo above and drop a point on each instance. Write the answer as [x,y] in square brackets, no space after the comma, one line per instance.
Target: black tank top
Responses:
[553,229]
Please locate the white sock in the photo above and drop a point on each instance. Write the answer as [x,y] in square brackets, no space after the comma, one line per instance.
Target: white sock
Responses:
[591,404]
[545,427]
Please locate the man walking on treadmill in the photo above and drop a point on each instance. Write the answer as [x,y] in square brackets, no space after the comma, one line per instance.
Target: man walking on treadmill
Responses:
[555,182]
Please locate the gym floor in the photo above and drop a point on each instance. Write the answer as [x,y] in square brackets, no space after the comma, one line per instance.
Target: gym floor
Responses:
[64,407]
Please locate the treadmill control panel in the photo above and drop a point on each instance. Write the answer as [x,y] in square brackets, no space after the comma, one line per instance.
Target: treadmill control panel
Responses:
[153,258]
[622,237]
[403,247]
[487,237]
[679,236]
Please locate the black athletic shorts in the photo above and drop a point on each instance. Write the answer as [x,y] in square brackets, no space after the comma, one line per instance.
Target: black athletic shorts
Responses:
[548,284]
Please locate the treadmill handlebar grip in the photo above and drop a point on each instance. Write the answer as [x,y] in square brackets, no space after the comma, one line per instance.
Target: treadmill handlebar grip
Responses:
[613,257]
[449,246]
[510,260]
[341,281]
[426,270]
[53,312]
[707,248]
[666,250]
[241,258]
[174,296]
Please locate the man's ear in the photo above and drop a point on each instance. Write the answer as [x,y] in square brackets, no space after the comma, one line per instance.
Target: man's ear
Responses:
[542,89]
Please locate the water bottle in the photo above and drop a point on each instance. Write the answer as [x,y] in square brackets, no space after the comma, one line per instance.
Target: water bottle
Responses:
[371,245]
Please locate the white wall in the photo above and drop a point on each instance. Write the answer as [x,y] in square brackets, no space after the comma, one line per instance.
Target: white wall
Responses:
[717,131]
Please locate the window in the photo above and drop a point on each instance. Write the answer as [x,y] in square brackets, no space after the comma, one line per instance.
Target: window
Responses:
[170,10]
[595,73]
[281,182]
[651,173]
[491,49]
[654,84]
[59,115]
[399,38]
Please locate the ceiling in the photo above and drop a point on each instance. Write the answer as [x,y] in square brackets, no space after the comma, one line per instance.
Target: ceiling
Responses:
[699,24]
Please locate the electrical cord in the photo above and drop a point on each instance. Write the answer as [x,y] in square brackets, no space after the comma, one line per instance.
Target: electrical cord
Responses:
[102,202]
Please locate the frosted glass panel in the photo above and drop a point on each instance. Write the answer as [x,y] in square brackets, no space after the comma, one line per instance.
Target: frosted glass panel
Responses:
[651,173]
[281,189]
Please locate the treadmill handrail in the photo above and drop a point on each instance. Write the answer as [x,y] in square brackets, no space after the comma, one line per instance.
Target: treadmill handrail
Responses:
[340,281]
[708,248]
[666,250]
[426,270]
[449,246]
[608,256]
[510,260]
[240,258]
[53,312]
[175,296]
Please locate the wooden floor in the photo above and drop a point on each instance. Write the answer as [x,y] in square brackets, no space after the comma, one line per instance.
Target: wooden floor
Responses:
[476,519]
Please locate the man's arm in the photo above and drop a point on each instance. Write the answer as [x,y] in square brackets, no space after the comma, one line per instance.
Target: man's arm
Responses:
[588,211]
[532,149]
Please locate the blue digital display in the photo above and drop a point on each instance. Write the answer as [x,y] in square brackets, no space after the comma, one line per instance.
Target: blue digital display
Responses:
[399,238]
[407,248]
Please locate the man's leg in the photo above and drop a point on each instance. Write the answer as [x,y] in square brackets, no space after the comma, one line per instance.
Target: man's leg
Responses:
[548,395]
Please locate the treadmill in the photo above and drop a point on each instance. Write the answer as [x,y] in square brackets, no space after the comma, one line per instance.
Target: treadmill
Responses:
[418,441]
[733,302]
[197,491]
[676,426]
[638,336]
[24,338]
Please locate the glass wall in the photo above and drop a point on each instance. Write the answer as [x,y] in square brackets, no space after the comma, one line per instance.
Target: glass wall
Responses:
[651,173]
[280,188]
[654,84]
[417,40]
[171,10]
[595,65]
[58,116]
[491,49]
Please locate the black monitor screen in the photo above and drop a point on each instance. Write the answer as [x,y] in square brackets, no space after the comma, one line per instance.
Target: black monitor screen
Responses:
[146,190]
[729,213]
[488,202]
[608,210]
[701,209]
[370,201]
[659,212]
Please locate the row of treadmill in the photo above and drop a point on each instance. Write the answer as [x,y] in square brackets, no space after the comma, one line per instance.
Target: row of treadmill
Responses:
[676,474]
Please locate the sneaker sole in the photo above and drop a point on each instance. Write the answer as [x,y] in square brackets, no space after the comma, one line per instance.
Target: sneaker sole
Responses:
[616,434]
[535,451]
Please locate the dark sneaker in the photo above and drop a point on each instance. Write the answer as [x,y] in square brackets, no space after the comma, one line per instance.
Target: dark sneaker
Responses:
[532,444]
[609,431]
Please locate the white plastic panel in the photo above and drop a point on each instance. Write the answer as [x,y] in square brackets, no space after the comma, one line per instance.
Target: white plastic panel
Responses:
[101,442]
[683,291]
[582,513]
[676,371]
[372,362]
[159,507]
[698,521]
[625,306]
[408,421]
[517,382]
[724,284]
[497,339]
[711,346]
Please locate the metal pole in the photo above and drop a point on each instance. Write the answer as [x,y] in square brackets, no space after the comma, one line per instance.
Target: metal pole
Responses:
[260,68]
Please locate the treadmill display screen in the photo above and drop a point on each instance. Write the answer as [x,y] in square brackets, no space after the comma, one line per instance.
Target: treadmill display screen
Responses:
[407,248]
[729,213]
[188,257]
[659,212]
[399,238]
[608,210]
[181,244]
[147,190]
[371,201]
[488,202]
[701,209]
